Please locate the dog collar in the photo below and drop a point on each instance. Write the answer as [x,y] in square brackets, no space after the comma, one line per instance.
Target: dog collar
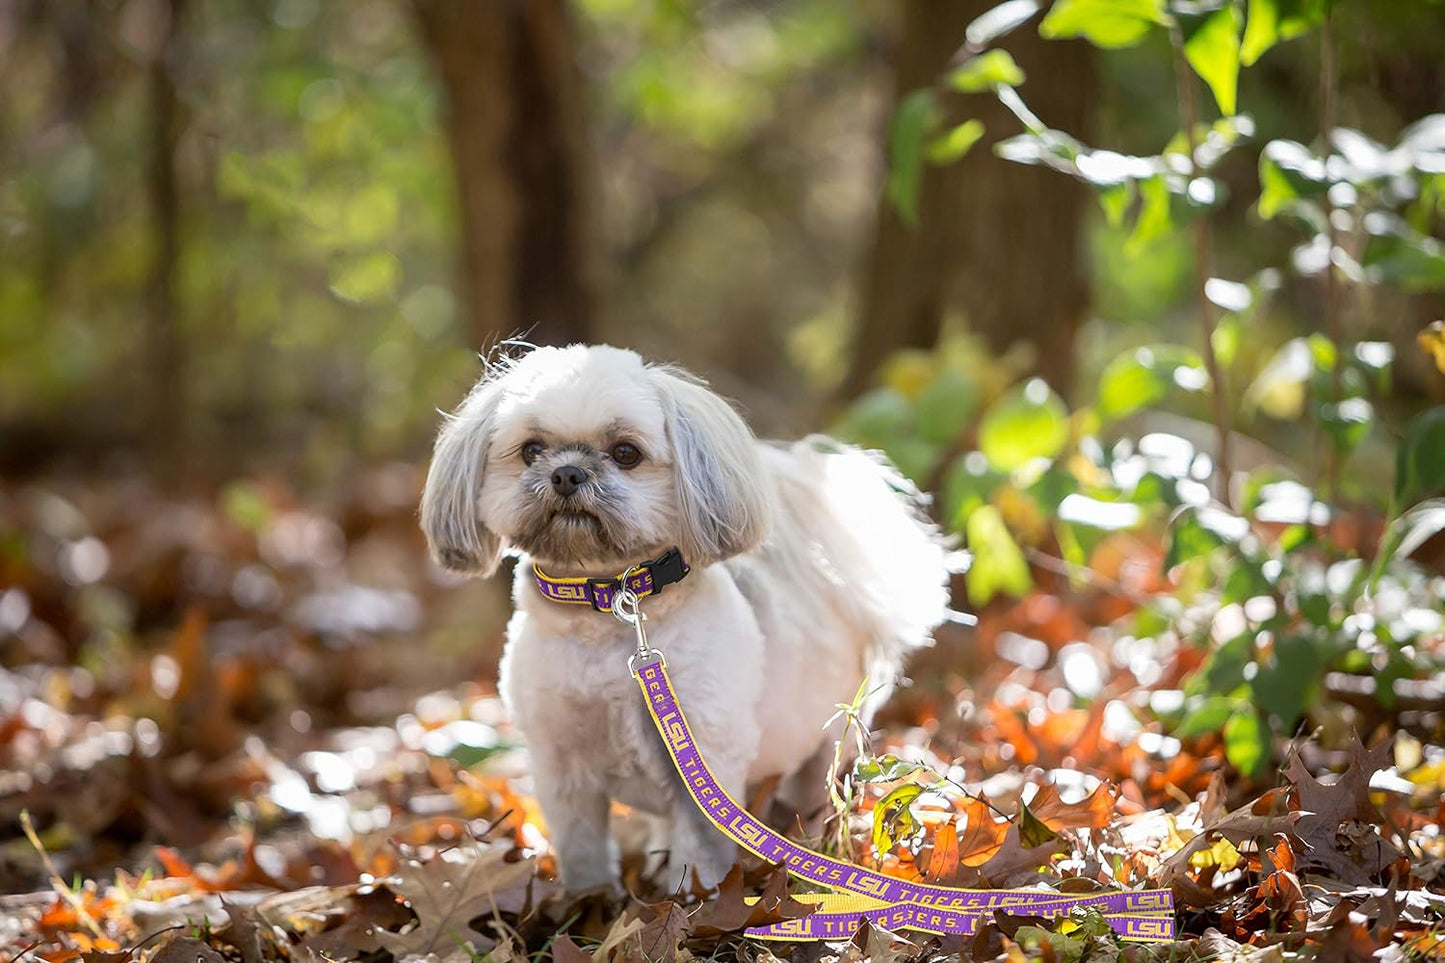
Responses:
[644,578]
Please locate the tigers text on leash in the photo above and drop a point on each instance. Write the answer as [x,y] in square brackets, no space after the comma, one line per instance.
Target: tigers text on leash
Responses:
[1141,915]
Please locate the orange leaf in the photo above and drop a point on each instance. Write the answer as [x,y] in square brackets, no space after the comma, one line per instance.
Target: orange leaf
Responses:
[1093,812]
[982,835]
[943,864]
[172,862]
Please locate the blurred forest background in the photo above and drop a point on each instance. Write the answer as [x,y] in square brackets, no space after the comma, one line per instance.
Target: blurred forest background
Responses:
[246,236]
[248,248]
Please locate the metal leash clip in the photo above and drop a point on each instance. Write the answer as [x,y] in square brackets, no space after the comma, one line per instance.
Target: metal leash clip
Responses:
[627,609]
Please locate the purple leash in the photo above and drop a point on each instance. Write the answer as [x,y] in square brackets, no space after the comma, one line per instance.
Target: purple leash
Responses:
[1139,915]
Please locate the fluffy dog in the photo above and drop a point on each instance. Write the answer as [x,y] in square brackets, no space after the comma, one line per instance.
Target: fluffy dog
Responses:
[809,571]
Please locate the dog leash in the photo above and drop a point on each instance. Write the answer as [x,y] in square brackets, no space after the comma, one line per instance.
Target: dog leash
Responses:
[860,893]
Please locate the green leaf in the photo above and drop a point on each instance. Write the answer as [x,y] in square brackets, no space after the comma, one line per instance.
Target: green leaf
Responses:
[1033,831]
[969,483]
[1145,376]
[1247,742]
[1272,21]
[1110,24]
[883,769]
[913,457]
[1347,423]
[1404,257]
[949,147]
[944,405]
[988,70]
[1285,684]
[1289,172]
[1416,527]
[1276,193]
[1028,422]
[880,416]
[1198,531]
[1115,200]
[1154,221]
[1420,459]
[893,820]
[1213,51]
[1279,388]
[1245,580]
[1210,715]
[367,278]
[1223,669]
[917,114]
[1261,31]
[998,564]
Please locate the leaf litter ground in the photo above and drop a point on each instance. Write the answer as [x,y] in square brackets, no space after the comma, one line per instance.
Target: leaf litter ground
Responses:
[218,742]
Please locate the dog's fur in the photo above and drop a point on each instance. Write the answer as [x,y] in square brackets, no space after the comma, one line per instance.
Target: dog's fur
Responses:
[810,570]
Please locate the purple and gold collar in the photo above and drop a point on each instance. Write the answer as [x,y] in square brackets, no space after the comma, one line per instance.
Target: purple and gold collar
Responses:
[644,579]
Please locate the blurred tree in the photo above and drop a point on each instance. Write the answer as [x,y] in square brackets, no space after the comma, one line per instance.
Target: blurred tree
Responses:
[515,119]
[166,421]
[998,243]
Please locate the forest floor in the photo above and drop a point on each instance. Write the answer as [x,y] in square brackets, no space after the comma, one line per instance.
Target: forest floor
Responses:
[230,729]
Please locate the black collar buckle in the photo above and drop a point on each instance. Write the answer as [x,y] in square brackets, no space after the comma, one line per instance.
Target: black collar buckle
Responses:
[667,569]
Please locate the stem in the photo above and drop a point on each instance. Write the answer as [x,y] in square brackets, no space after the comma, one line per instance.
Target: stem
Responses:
[1334,325]
[1203,271]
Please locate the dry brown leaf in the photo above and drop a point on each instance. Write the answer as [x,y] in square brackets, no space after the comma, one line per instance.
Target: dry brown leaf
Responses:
[566,951]
[1092,812]
[449,891]
[666,925]
[1338,823]
[1266,816]
[186,949]
[730,911]
[982,835]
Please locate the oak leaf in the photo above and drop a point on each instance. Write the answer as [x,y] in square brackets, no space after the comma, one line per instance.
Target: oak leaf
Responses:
[731,911]
[447,892]
[982,835]
[1094,811]
[1338,822]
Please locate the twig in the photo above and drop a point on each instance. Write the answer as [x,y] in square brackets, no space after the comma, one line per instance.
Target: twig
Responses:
[56,882]
[1066,568]
[1203,269]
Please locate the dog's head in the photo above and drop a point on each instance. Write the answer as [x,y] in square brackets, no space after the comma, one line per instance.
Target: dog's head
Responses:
[586,456]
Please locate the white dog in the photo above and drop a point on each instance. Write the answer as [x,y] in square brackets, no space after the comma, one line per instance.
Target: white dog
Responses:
[806,566]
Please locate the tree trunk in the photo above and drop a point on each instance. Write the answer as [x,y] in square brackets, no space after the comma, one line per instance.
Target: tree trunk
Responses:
[165,347]
[996,242]
[516,122]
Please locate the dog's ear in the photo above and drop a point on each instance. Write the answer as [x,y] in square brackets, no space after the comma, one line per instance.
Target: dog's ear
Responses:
[721,500]
[451,514]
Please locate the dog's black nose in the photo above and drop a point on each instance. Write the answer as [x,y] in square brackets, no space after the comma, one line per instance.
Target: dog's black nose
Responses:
[568,479]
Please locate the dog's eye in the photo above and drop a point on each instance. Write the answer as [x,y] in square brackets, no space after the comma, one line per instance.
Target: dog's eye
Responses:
[531,450]
[626,456]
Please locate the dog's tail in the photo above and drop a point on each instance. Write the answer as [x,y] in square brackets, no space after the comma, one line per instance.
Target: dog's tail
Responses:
[891,562]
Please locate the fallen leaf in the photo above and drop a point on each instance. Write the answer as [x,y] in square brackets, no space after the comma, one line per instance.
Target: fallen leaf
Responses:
[566,951]
[943,861]
[186,949]
[1092,812]
[730,911]
[446,893]
[1033,833]
[1338,823]
[983,833]
[666,925]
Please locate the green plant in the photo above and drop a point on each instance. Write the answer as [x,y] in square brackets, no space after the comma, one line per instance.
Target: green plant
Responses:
[1257,573]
